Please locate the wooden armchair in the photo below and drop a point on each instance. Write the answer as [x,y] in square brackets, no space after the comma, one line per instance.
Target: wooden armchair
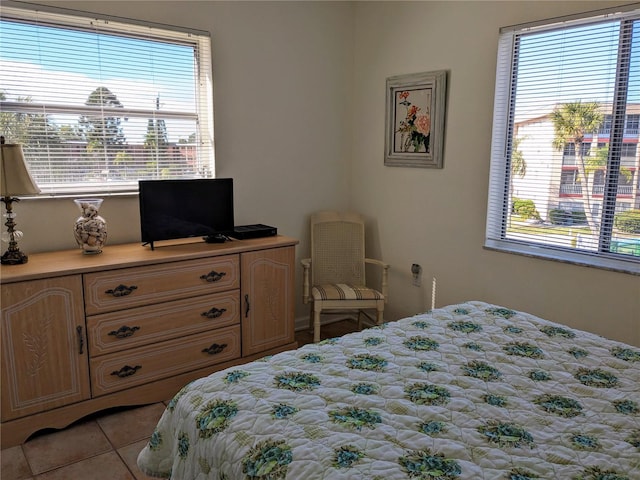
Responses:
[334,276]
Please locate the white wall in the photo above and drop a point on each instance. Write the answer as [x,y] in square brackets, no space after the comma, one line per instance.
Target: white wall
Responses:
[437,217]
[299,123]
[282,96]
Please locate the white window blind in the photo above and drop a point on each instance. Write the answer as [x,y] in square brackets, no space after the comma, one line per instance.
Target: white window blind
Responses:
[100,103]
[565,166]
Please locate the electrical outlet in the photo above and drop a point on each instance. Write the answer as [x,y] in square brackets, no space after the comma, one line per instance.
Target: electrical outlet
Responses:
[416,271]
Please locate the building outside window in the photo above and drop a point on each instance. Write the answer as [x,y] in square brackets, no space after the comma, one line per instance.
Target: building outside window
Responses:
[629,150]
[632,126]
[570,182]
[625,182]
[605,127]
[569,153]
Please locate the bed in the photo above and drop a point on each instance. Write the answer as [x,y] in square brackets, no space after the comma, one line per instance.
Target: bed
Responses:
[468,391]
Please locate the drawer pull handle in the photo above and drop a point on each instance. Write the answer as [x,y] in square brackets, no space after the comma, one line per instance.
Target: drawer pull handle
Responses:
[121,290]
[80,339]
[126,371]
[214,312]
[213,276]
[214,348]
[124,331]
[247,306]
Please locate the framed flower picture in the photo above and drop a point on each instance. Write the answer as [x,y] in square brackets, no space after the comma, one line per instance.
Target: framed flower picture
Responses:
[415,117]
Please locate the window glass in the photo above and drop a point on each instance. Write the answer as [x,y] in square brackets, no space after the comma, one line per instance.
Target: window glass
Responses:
[99,104]
[564,150]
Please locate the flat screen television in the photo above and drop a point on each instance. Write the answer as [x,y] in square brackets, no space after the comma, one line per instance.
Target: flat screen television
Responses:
[171,209]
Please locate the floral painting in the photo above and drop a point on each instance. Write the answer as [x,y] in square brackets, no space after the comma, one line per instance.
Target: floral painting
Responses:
[412,131]
[415,119]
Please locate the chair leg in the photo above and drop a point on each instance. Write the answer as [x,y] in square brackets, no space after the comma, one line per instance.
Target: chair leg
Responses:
[311,317]
[380,311]
[316,325]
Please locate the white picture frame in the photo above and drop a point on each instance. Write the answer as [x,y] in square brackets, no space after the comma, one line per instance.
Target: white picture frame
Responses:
[415,119]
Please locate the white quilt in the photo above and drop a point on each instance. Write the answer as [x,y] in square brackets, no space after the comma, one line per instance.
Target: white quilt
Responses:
[470,391]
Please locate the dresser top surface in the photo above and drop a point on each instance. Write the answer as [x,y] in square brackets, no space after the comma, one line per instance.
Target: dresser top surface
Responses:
[68,262]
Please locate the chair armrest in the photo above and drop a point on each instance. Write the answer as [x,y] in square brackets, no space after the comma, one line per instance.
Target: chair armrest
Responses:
[385,275]
[306,267]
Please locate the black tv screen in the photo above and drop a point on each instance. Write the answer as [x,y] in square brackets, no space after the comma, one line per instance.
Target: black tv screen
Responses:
[171,209]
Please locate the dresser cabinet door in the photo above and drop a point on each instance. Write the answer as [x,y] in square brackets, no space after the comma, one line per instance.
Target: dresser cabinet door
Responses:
[44,351]
[267,306]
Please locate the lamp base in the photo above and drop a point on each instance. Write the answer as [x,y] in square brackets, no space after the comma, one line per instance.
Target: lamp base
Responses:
[14,257]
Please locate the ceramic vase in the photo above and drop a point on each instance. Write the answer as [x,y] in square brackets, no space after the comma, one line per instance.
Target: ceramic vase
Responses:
[90,229]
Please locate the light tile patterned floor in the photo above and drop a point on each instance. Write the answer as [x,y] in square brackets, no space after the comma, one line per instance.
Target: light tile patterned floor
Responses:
[104,446]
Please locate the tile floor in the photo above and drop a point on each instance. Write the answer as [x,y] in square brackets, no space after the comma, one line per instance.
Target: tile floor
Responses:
[104,446]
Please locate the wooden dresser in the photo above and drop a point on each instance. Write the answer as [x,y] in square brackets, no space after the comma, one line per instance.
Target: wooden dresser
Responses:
[81,333]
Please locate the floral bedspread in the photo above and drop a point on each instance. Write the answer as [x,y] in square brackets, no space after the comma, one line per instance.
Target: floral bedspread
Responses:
[469,391]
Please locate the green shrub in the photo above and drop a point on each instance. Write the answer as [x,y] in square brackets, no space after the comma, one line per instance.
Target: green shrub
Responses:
[578,217]
[558,216]
[525,208]
[628,222]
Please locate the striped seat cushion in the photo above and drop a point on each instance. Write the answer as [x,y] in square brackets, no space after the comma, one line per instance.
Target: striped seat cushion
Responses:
[343,291]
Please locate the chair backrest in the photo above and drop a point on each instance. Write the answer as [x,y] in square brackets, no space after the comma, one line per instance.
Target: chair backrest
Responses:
[337,248]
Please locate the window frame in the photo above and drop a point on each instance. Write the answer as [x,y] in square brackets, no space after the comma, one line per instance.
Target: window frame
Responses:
[70,19]
[502,144]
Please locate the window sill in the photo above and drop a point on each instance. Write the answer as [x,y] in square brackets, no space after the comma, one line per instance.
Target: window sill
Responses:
[584,259]
[66,196]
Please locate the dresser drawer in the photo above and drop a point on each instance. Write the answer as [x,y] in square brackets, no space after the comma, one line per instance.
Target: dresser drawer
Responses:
[133,287]
[124,329]
[121,370]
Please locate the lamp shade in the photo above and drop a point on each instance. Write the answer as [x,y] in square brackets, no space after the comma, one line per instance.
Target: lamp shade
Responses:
[15,179]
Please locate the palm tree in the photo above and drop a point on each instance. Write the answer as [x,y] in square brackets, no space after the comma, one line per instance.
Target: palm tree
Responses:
[518,163]
[571,122]
[518,166]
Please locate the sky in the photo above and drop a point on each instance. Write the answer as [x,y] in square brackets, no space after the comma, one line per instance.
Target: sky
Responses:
[59,66]
[556,67]
[552,69]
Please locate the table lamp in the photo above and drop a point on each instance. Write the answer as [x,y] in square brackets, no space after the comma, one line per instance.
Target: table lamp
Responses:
[14,180]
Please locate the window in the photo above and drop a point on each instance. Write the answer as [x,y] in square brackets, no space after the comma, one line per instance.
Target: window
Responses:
[633,125]
[622,207]
[629,150]
[569,156]
[100,103]
[625,182]
[570,149]
[567,108]
[605,127]
[570,182]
